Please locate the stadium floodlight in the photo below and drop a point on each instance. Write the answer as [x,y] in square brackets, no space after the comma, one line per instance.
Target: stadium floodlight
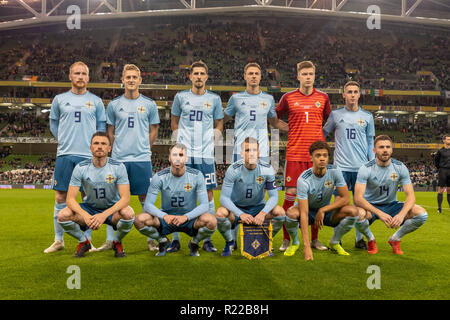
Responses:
[3,2]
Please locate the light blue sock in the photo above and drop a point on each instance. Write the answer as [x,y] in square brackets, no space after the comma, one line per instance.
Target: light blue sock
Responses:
[235,232]
[88,234]
[277,223]
[59,231]
[409,226]
[151,232]
[109,233]
[224,227]
[344,226]
[123,228]
[176,236]
[202,234]
[73,229]
[292,228]
[359,235]
[362,227]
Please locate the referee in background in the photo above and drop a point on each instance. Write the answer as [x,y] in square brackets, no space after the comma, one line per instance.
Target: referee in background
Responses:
[442,163]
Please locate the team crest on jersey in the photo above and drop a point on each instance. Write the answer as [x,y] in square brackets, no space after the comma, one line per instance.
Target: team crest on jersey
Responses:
[207,105]
[187,187]
[318,104]
[394,176]
[263,105]
[89,104]
[361,122]
[260,180]
[109,178]
[141,109]
[328,184]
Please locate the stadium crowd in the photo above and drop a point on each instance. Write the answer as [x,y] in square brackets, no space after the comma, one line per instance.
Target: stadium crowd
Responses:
[391,58]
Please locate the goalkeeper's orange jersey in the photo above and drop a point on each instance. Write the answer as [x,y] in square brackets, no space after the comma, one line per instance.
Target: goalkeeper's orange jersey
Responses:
[306,115]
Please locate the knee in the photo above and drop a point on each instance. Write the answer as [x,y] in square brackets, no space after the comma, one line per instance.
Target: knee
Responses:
[139,221]
[278,211]
[127,213]
[222,212]
[209,221]
[64,215]
[353,211]
[292,213]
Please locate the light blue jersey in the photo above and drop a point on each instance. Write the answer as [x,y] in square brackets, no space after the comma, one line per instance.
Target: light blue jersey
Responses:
[318,191]
[131,119]
[178,194]
[353,137]
[78,117]
[196,126]
[248,186]
[100,184]
[251,112]
[382,182]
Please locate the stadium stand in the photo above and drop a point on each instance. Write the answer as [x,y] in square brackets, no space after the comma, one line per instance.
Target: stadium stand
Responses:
[395,57]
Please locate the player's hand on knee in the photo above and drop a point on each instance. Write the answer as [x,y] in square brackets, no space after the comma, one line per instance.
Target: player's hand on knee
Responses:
[318,222]
[97,221]
[397,221]
[179,220]
[246,218]
[259,218]
[168,218]
[387,219]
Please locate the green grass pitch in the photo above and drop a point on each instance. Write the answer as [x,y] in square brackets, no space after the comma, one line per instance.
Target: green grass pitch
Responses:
[27,273]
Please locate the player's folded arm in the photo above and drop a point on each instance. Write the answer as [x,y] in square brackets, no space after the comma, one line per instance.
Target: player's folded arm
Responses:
[72,203]
[201,208]
[225,200]
[273,197]
[410,198]
[124,193]
[149,206]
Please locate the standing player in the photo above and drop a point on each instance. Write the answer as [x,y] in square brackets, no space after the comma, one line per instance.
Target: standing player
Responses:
[133,123]
[252,109]
[243,194]
[107,199]
[376,191]
[180,187]
[315,187]
[197,118]
[74,117]
[307,110]
[442,163]
[354,131]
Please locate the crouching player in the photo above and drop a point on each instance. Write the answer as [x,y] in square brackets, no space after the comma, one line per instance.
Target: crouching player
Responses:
[105,182]
[180,187]
[315,187]
[376,191]
[243,195]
